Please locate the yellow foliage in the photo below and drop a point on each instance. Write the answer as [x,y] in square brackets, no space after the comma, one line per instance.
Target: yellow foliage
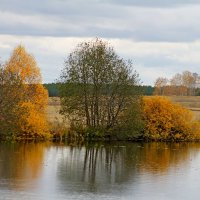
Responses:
[24,65]
[34,95]
[35,124]
[165,120]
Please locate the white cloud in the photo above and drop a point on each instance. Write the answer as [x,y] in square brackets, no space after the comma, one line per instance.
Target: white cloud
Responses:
[150,59]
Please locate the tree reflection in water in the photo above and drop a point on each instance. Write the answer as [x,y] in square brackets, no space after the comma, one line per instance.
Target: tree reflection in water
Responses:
[20,162]
[92,167]
[97,168]
[104,167]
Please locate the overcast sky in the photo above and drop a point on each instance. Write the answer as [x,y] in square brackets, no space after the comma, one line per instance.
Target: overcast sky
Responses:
[161,37]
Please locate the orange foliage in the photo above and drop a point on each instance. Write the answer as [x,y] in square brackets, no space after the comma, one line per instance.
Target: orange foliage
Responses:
[165,120]
[34,96]
[159,157]
[23,161]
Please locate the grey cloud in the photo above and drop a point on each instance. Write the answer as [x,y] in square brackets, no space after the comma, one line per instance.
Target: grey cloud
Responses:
[67,7]
[153,3]
[91,18]
[54,7]
[146,31]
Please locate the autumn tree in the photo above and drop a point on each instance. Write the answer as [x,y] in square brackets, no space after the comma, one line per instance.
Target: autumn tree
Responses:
[33,97]
[184,84]
[160,85]
[189,81]
[98,87]
[176,86]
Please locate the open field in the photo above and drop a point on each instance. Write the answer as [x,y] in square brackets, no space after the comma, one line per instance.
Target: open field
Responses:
[53,110]
[190,102]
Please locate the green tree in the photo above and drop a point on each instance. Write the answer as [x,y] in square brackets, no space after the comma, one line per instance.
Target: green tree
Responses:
[98,87]
[10,102]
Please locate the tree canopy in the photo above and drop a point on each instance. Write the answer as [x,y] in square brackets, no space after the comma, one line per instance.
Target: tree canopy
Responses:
[97,86]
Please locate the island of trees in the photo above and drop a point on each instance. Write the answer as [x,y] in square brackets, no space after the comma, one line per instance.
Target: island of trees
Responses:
[101,97]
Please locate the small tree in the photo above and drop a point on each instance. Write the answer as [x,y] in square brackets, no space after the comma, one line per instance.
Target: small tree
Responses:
[97,86]
[160,86]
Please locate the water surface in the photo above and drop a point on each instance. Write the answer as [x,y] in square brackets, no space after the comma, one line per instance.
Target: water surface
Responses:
[47,171]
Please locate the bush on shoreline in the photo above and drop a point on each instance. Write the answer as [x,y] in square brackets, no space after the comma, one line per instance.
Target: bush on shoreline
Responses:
[168,121]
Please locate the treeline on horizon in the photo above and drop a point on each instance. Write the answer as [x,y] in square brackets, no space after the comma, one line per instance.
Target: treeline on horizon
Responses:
[181,84]
[53,89]
[147,90]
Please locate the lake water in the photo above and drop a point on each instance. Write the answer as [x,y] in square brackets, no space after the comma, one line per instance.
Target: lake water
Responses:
[48,171]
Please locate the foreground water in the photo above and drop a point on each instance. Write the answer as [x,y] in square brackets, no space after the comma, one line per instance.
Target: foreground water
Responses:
[46,171]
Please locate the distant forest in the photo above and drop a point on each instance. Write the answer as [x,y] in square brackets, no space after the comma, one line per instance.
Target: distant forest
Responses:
[53,89]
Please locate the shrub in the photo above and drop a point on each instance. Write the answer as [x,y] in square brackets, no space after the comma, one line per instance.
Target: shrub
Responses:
[165,120]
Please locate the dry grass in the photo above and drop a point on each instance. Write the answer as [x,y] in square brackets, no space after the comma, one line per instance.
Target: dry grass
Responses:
[53,110]
[187,101]
[190,102]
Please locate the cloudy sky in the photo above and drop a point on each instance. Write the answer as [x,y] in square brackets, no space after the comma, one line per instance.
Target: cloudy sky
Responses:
[161,37]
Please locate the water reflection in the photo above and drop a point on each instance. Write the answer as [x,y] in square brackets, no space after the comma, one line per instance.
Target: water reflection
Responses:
[21,161]
[159,157]
[93,167]
[102,167]
[48,171]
